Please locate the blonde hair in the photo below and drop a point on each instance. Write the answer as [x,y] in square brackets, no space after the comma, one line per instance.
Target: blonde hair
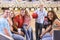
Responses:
[26,13]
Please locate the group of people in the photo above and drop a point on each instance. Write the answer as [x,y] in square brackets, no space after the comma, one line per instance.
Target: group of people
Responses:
[51,24]
[17,25]
[48,21]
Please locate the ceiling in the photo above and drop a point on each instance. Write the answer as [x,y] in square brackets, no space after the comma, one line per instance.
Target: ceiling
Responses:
[28,4]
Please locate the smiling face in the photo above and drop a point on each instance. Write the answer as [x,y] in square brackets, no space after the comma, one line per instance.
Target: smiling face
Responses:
[12,14]
[22,12]
[50,16]
[6,13]
[41,7]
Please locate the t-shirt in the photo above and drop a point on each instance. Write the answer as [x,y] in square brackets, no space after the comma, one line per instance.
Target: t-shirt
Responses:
[4,24]
[41,15]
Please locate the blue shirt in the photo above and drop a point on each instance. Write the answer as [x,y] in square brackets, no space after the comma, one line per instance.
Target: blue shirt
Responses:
[41,15]
[4,24]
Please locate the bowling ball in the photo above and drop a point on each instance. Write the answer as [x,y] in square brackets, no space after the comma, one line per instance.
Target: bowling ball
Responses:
[35,15]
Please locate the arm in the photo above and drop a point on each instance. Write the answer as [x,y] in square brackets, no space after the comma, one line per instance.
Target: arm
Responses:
[6,28]
[45,14]
[29,22]
[6,32]
[57,22]
[15,24]
[10,23]
[46,31]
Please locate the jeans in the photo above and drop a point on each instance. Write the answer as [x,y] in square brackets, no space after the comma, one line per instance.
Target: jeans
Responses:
[17,37]
[29,33]
[47,36]
[38,29]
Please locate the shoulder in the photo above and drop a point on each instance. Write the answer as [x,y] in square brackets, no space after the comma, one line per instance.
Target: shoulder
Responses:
[36,10]
[16,17]
[56,21]
[44,11]
[2,19]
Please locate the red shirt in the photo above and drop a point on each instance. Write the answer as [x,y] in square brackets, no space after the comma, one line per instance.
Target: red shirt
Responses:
[20,20]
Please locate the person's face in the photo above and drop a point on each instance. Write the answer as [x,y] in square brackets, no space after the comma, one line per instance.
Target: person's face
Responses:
[41,7]
[12,14]
[6,13]
[22,12]
[50,16]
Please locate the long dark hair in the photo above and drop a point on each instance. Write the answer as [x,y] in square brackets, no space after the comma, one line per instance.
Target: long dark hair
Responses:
[54,16]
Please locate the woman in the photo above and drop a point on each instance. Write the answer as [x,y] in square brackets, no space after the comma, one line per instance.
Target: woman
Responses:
[26,26]
[53,24]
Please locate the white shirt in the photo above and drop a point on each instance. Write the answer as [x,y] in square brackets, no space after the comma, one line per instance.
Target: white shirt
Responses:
[41,15]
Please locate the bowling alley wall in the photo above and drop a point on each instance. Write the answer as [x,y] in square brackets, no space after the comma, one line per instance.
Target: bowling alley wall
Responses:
[30,7]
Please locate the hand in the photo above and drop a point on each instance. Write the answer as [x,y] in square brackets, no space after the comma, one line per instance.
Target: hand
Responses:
[41,36]
[27,27]
[21,33]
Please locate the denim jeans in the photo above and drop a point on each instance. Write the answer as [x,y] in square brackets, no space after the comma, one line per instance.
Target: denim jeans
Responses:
[28,33]
[38,29]
[17,37]
[47,36]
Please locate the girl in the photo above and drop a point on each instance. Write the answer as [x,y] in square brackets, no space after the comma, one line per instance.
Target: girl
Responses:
[27,28]
[53,24]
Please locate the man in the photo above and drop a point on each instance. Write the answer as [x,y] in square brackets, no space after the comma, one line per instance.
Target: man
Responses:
[5,27]
[39,21]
